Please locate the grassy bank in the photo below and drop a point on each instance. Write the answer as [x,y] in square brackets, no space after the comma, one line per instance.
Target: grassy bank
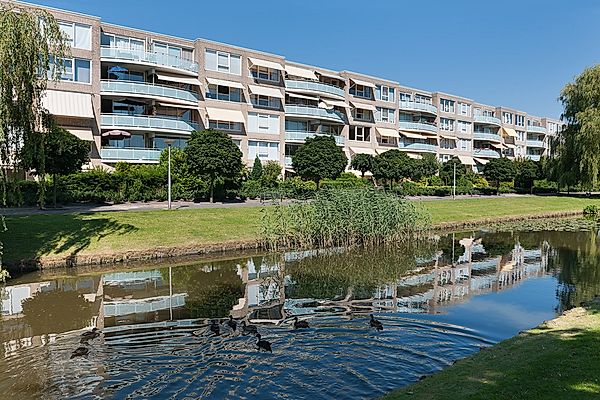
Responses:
[558,360]
[116,232]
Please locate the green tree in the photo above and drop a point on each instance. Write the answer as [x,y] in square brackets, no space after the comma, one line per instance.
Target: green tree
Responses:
[425,167]
[257,170]
[270,174]
[527,172]
[447,171]
[213,154]
[579,148]
[362,163]
[392,165]
[26,48]
[500,170]
[319,158]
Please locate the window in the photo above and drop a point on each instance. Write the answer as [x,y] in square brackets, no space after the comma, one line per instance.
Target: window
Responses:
[520,136]
[78,36]
[120,42]
[264,150]
[465,109]
[225,125]
[259,100]
[360,133]
[419,98]
[136,140]
[447,124]
[445,157]
[488,113]
[507,117]
[464,127]
[405,97]
[173,51]
[159,142]
[263,73]
[222,62]
[360,91]
[263,123]
[447,105]
[361,114]
[124,108]
[384,93]
[224,93]
[447,143]
[519,120]
[75,70]
[296,126]
[464,144]
[385,115]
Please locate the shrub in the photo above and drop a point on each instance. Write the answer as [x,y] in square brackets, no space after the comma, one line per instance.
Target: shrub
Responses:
[251,189]
[544,186]
[590,209]
[296,188]
[345,181]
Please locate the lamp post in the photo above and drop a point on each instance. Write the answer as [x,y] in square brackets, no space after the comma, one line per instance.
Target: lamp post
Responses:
[169,143]
[453,181]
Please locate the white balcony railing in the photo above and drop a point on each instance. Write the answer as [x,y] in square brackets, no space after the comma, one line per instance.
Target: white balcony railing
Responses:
[301,136]
[147,90]
[146,57]
[486,119]
[417,126]
[416,106]
[147,122]
[114,154]
[319,87]
[315,112]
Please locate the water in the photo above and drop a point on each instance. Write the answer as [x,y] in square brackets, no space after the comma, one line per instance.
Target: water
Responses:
[438,302]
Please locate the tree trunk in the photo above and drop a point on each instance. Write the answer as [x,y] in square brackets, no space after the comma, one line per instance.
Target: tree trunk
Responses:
[42,173]
[54,184]
[362,174]
[212,188]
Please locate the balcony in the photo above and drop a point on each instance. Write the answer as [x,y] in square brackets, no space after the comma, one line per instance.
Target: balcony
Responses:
[141,89]
[421,107]
[536,129]
[301,136]
[315,87]
[418,147]
[146,122]
[148,58]
[417,126]
[315,112]
[287,160]
[535,143]
[492,137]
[485,119]
[489,153]
[133,155]
[534,157]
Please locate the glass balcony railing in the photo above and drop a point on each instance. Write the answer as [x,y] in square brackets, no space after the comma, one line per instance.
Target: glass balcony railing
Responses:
[146,57]
[431,148]
[487,136]
[534,157]
[147,122]
[535,143]
[315,112]
[415,106]
[301,136]
[287,161]
[485,119]
[110,154]
[538,129]
[147,90]
[319,87]
[417,126]
[486,153]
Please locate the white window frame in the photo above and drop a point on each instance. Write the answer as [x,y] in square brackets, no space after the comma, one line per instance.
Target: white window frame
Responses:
[232,126]
[447,106]
[71,37]
[72,60]
[507,117]
[447,124]
[270,72]
[465,109]
[386,118]
[359,134]
[218,54]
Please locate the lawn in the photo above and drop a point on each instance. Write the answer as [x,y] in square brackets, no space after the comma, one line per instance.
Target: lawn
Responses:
[116,232]
[557,360]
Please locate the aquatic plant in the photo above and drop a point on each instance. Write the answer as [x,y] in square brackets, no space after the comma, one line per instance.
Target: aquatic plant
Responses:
[590,209]
[343,217]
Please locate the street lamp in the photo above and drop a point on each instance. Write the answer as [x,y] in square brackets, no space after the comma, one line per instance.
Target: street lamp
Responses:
[169,143]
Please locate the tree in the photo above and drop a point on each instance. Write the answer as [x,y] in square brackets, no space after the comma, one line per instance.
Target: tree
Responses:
[426,167]
[527,172]
[362,163]
[579,148]
[257,170]
[270,174]
[447,171]
[28,41]
[319,158]
[63,154]
[392,165]
[212,153]
[500,170]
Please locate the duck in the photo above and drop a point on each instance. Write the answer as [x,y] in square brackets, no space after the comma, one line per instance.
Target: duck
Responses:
[80,352]
[375,323]
[214,327]
[246,329]
[300,324]
[232,323]
[90,335]
[263,344]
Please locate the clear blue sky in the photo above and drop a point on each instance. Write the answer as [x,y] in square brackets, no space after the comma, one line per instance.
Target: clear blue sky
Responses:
[515,53]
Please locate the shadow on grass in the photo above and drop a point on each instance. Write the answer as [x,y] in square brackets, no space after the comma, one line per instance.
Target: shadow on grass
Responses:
[30,237]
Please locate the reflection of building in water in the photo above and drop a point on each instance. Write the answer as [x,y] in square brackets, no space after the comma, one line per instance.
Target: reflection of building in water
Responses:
[264,290]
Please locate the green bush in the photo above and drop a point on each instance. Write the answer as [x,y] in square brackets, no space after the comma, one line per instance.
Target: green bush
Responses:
[251,189]
[346,180]
[296,188]
[590,209]
[506,187]
[544,186]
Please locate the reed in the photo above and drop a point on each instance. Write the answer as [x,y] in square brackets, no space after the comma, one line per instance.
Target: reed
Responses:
[343,217]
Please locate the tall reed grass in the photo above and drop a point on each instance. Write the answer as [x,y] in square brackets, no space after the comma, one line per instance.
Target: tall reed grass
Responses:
[343,217]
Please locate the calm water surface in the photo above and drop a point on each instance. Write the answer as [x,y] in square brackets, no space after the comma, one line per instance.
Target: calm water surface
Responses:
[438,302]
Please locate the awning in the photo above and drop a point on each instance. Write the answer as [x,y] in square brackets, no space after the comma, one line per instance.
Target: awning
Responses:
[266,91]
[265,63]
[164,76]
[221,82]
[412,135]
[179,106]
[467,160]
[362,83]
[496,145]
[115,133]
[68,104]
[363,106]
[387,132]
[333,76]
[415,156]
[481,160]
[302,96]
[509,132]
[337,103]
[82,133]
[301,72]
[363,150]
[220,114]
[448,137]
[510,146]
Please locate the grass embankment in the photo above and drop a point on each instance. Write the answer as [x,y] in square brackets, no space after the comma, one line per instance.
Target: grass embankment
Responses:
[29,237]
[557,360]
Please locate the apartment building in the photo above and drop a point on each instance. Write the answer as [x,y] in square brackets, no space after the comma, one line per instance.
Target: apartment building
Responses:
[131,93]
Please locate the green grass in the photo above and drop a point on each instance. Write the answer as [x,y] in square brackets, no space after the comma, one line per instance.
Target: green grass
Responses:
[558,360]
[117,232]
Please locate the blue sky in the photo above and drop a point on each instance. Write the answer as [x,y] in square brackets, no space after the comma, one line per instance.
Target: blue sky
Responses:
[515,53]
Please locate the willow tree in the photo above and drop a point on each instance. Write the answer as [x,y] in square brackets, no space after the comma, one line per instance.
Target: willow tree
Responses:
[29,41]
[579,148]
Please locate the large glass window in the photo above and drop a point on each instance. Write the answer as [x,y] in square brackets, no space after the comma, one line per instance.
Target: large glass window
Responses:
[446,124]
[263,123]
[224,93]
[385,115]
[225,125]
[360,133]
[121,42]
[223,62]
[74,70]
[264,150]
[447,105]
[159,142]
[263,73]
[78,36]
[361,91]
[384,93]
[135,140]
